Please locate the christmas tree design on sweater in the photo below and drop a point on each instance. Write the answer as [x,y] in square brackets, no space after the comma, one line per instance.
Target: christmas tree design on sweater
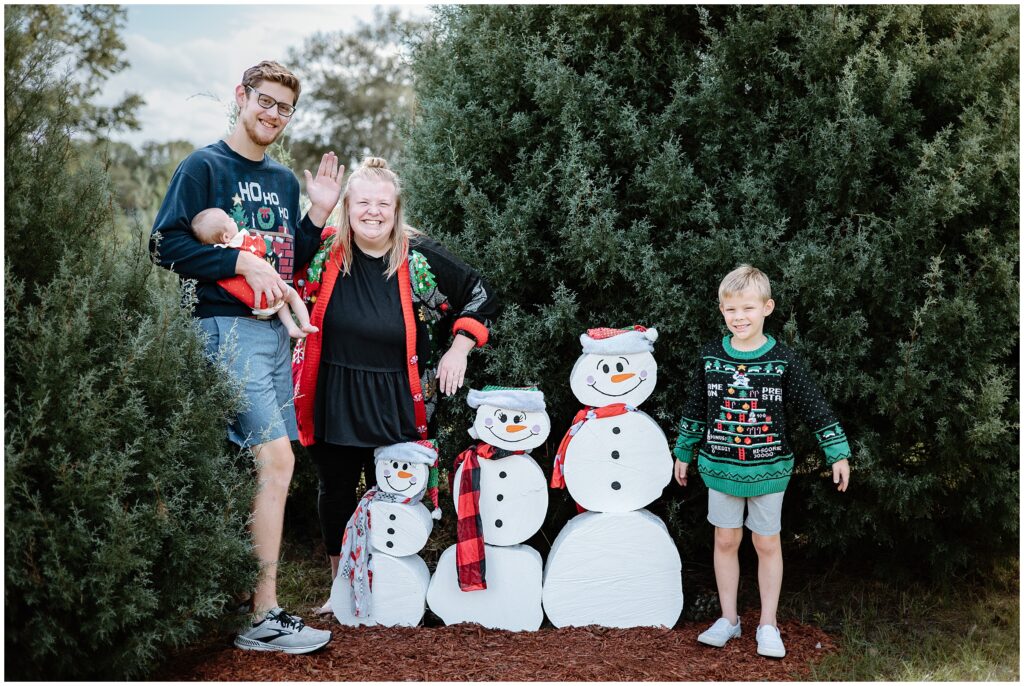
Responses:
[735,415]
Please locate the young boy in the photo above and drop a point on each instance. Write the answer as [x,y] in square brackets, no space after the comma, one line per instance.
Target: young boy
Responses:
[734,422]
[213,226]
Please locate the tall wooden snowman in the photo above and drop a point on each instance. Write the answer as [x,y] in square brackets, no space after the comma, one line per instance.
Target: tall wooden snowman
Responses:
[382,579]
[615,565]
[490,576]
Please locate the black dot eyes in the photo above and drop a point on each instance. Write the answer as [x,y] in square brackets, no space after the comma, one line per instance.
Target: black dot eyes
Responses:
[502,417]
[605,368]
[395,465]
[518,418]
[619,367]
[405,467]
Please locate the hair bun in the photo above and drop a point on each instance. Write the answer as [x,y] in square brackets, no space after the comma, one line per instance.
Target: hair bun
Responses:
[375,163]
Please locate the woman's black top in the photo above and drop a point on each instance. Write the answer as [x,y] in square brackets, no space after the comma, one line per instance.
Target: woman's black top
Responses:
[363,396]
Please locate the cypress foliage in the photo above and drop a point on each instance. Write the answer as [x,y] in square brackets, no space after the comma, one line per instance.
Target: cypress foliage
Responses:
[124,512]
[608,165]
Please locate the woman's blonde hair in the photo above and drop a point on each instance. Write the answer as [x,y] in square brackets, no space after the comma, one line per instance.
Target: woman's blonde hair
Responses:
[375,169]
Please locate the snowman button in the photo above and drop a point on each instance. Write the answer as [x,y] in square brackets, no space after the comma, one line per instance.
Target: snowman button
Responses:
[391,531]
[616,430]
[616,485]
[390,544]
[615,454]
[392,517]
[497,523]
[500,497]
[502,474]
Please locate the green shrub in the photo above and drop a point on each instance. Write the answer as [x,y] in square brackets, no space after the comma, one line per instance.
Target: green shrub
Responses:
[124,511]
[608,165]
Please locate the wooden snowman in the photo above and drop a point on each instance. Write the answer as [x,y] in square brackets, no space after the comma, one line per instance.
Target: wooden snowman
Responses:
[616,564]
[489,576]
[382,580]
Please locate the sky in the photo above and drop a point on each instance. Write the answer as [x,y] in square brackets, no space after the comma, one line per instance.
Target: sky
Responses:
[186,59]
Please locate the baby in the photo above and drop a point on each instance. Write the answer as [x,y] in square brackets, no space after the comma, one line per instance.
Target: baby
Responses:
[214,227]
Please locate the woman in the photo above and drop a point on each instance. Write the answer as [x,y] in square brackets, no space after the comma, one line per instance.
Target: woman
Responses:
[379,292]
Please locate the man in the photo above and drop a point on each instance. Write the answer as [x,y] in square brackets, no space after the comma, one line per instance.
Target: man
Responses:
[262,196]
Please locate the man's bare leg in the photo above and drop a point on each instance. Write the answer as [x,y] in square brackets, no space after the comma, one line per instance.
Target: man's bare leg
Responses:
[275,462]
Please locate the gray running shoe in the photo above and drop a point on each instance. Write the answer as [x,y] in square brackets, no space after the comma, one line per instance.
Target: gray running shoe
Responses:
[282,632]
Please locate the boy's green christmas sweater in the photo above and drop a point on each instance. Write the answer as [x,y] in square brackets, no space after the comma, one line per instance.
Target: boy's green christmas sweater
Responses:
[734,420]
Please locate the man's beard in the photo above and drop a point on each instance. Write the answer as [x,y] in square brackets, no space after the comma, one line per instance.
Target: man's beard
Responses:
[259,135]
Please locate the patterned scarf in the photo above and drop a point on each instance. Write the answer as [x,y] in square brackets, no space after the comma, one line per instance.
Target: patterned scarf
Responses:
[581,418]
[469,550]
[355,551]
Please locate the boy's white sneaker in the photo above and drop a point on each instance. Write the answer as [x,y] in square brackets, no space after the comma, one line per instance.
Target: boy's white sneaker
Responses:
[720,633]
[769,642]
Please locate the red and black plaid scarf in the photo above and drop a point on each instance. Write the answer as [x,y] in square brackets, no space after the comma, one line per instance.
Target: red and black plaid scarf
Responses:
[469,548]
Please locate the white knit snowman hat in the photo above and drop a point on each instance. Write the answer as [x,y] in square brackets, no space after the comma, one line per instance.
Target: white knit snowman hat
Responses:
[605,341]
[526,398]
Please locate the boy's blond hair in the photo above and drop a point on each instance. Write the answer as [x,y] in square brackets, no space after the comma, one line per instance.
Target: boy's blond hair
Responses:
[743,277]
[268,70]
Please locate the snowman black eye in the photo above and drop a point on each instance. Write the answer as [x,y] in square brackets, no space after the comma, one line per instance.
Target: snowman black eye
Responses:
[502,417]
[618,366]
[518,419]
[605,369]
[395,465]
[405,467]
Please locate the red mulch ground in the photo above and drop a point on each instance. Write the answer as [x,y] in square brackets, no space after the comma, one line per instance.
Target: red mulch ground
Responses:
[471,653]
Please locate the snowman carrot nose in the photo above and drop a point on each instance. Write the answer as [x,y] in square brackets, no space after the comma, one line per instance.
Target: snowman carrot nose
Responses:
[404,475]
[514,428]
[619,378]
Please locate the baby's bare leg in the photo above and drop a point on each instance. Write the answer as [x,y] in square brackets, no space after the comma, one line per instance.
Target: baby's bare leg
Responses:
[294,302]
[285,315]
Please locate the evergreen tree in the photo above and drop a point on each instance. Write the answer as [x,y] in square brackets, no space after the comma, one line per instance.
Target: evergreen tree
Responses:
[607,165]
[357,90]
[124,512]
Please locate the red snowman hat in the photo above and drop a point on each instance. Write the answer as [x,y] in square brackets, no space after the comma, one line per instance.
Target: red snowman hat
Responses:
[607,341]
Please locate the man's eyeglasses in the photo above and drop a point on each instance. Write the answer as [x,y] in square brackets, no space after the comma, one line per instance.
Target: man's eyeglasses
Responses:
[266,102]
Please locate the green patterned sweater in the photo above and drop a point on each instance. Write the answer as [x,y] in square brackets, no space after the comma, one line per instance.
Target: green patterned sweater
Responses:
[734,419]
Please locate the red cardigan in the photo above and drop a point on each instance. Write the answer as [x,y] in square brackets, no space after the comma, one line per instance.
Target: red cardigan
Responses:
[306,355]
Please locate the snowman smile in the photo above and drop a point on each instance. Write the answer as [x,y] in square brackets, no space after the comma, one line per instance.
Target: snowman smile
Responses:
[616,395]
[410,484]
[516,430]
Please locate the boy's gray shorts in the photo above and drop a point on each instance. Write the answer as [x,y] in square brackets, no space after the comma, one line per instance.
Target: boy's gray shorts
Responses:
[764,512]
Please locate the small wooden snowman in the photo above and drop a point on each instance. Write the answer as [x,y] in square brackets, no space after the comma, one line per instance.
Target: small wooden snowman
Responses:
[382,580]
[490,577]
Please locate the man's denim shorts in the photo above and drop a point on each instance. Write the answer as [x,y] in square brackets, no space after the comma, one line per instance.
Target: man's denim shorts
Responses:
[764,512]
[258,353]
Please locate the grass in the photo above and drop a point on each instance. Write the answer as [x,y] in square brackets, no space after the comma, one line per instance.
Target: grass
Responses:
[885,632]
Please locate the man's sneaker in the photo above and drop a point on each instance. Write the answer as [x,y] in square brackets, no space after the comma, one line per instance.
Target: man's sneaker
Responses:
[720,633]
[769,642]
[283,632]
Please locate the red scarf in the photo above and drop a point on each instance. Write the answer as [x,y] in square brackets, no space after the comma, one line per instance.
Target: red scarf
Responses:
[469,548]
[581,418]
